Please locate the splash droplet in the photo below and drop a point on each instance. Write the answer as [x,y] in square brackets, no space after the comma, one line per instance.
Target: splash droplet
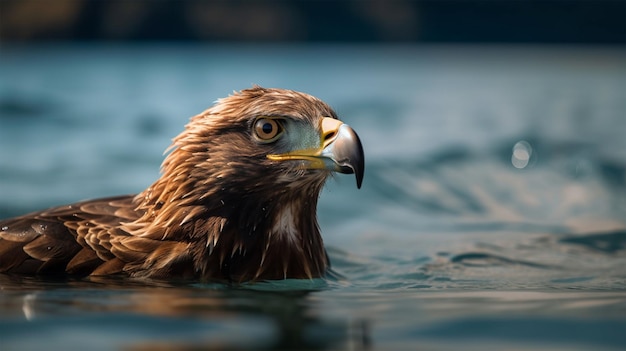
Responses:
[522,151]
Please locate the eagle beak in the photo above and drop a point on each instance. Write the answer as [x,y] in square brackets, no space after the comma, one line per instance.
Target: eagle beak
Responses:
[341,151]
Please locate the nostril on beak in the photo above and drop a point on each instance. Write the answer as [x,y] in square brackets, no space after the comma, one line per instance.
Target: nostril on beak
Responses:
[330,135]
[329,128]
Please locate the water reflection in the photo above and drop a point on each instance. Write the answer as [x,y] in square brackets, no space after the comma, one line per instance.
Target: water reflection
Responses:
[160,315]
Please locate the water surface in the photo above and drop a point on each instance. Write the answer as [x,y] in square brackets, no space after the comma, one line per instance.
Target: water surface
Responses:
[492,213]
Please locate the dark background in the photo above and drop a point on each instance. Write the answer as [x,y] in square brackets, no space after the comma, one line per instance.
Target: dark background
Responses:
[554,22]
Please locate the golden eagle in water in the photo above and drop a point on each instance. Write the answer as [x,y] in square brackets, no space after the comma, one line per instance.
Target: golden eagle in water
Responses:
[236,201]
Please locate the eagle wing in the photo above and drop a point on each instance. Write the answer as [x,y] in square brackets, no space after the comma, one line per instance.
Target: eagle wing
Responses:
[74,239]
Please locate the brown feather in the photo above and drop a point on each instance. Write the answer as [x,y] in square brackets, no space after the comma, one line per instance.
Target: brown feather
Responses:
[84,262]
[220,210]
[11,255]
[110,267]
[46,248]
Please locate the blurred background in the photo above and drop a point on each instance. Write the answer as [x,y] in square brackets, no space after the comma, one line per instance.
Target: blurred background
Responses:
[451,21]
[493,209]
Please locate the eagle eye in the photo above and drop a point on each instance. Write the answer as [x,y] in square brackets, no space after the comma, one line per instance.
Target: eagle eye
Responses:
[267,129]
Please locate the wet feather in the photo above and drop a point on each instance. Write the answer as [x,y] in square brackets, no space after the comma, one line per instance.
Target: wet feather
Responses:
[218,211]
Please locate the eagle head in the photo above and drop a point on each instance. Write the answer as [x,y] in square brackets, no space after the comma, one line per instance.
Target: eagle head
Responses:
[240,185]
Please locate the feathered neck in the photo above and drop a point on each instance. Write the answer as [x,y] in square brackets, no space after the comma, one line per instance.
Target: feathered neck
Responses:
[236,230]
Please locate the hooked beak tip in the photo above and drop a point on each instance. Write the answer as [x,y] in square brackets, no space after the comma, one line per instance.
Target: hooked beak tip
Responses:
[346,151]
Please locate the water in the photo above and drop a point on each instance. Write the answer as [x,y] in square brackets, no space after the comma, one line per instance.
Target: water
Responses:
[492,213]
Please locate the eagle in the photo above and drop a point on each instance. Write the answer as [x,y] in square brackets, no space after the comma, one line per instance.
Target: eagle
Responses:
[236,201]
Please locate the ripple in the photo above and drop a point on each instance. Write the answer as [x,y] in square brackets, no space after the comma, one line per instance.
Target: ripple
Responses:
[605,242]
[481,259]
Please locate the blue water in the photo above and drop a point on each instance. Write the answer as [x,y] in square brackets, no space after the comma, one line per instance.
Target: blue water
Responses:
[492,214]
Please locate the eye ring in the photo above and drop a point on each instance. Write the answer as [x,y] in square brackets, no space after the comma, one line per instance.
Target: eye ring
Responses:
[267,129]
